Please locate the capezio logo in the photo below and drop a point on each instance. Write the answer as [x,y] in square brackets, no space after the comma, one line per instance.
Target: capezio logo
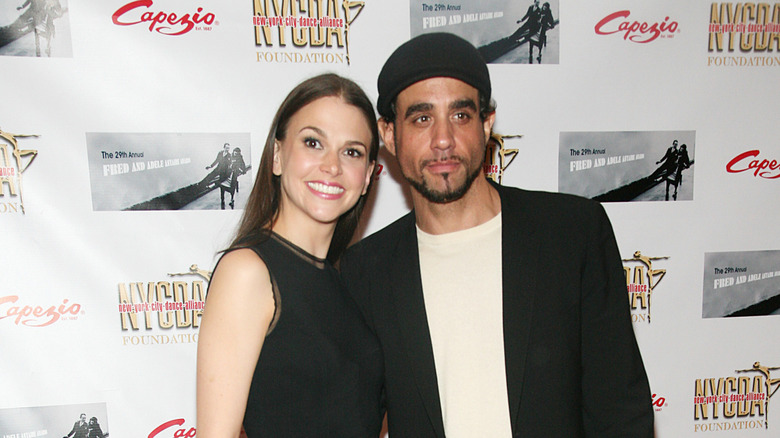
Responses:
[162,22]
[761,168]
[379,170]
[36,315]
[658,402]
[168,426]
[13,162]
[165,305]
[498,157]
[324,24]
[740,400]
[641,281]
[635,31]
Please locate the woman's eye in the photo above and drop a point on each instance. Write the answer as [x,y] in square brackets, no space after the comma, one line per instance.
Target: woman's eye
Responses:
[311,142]
[354,153]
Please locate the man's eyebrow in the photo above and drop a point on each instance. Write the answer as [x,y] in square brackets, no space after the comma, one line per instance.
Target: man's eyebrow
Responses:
[418,107]
[463,104]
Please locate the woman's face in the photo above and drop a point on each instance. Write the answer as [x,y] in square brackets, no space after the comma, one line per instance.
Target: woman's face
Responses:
[323,161]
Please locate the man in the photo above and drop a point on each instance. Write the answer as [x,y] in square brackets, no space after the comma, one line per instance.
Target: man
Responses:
[670,162]
[532,20]
[500,312]
[80,428]
[222,163]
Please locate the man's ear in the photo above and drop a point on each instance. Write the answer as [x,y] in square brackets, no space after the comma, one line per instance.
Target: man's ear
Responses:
[387,132]
[487,125]
[277,167]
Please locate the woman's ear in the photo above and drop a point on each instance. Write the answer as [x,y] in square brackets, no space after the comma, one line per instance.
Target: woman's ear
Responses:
[277,167]
[369,175]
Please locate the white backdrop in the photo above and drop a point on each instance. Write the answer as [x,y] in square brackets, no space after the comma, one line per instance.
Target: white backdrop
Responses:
[64,263]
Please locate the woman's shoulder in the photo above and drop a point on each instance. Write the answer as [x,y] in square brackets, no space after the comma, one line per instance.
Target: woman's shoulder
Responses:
[241,287]
[239,270]
[240,259]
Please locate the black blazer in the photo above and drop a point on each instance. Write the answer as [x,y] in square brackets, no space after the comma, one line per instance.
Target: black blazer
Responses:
[572,362]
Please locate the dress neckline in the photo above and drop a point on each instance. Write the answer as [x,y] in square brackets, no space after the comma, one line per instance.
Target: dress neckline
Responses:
[300,252]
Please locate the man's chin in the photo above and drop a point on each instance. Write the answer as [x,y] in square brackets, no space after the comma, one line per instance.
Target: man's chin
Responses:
[440,196]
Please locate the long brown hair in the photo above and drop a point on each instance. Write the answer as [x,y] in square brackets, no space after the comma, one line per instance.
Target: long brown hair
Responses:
[262,208]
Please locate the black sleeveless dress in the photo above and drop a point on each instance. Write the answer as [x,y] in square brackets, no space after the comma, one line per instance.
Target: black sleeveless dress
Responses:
[320,370]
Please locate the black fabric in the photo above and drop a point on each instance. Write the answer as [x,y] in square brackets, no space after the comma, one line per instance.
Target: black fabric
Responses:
[427,56]
[319,373]
[573,366]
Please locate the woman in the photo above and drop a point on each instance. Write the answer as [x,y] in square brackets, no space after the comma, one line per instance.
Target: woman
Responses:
[281,345]
[230,184]
[94,429]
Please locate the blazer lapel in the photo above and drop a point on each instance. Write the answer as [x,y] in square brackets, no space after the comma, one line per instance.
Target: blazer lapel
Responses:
[407,295]
[520,247]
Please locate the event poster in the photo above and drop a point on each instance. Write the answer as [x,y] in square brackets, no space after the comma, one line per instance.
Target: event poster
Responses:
[741,283]
[55,421]
[504,32]
[35,28]
[627,166]
[169,171]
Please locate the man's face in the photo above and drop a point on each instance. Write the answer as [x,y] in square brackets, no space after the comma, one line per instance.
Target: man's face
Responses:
[438,137]
[83,417]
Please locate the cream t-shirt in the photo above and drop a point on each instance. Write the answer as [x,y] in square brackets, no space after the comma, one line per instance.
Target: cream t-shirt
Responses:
[462,287]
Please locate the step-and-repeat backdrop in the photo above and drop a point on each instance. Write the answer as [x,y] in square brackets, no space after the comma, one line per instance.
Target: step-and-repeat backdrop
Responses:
[117,115]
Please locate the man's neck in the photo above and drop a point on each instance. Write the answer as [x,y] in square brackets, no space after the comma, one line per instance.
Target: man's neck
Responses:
[480,204]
